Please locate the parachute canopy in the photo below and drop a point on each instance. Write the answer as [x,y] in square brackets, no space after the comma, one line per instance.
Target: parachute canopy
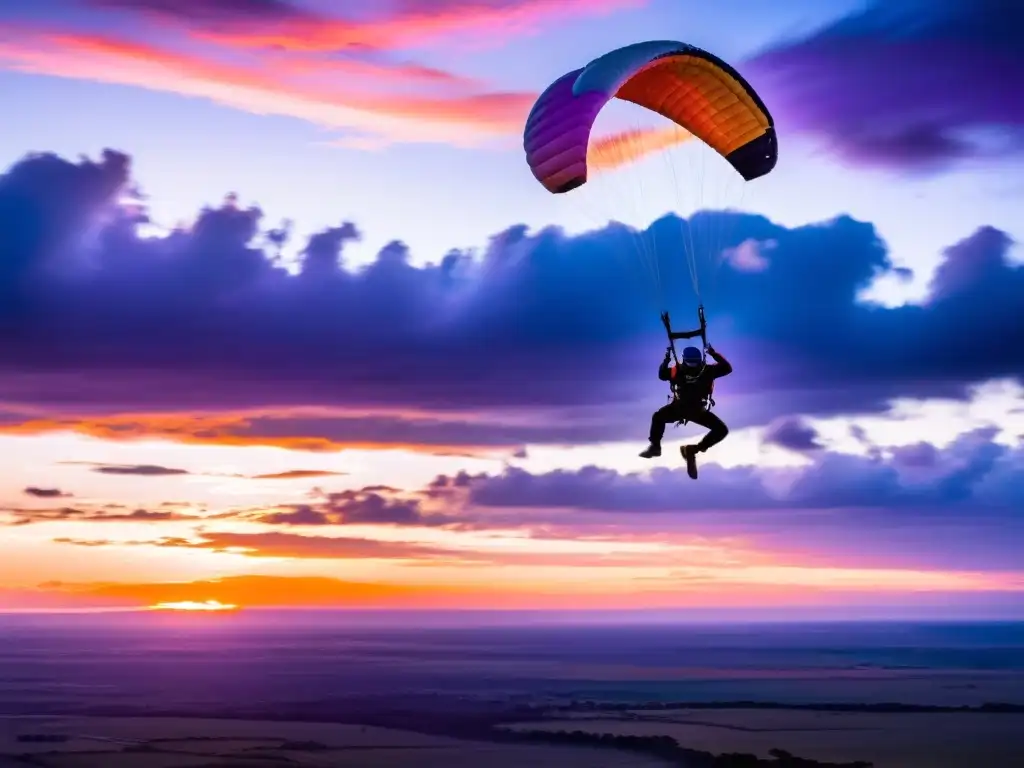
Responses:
[693,88]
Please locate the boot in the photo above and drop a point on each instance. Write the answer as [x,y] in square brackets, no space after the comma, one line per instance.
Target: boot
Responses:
[651,451]
[690,454]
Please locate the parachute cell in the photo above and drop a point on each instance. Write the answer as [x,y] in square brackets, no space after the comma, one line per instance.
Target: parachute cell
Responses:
[689,86]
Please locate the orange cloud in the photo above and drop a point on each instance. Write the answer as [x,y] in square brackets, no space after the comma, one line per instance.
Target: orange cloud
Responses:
[610,570]
[292,592]
[265,71]
[279,591]
[262,89]
[297,429]
[292,546]
[20,516]
[259,591]
[284,545]
[611,152]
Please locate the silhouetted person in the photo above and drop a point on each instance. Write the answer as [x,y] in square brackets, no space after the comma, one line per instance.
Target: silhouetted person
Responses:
[692,381]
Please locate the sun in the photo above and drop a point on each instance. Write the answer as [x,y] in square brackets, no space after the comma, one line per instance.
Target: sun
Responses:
[193,605]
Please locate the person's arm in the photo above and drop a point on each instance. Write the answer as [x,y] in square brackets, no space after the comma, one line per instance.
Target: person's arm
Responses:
[722,367]
[665,371]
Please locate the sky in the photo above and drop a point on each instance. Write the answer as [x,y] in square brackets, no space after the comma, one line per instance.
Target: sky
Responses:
[285,319]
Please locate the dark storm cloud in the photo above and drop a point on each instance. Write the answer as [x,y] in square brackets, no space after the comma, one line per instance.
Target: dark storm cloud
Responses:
[98,319]
[906,84]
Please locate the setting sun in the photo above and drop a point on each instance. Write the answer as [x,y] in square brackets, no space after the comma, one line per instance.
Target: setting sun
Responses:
[192,605]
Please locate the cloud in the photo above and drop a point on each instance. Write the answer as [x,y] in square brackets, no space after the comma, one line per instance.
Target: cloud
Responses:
[300,514]
[749,256]
[396,74]
[905,84]
[294,546]
[83,542]
[794,434]
[261,591]
[154,470]
[917,506]
[690,583]
[256,591]
[313,429]
[368,506]
[143,470]
[297,474]
[342,70]
[284,25]
[24,516]
[913,517]
[287,545]
[271,87]
[214,12]
[251,591]
[972,472]
[46,493]
[116,336]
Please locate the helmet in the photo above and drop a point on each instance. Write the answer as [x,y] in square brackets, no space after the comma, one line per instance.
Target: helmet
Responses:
[692,357]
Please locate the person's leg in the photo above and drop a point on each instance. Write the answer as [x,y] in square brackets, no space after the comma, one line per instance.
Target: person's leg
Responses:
[660,419]
[715,434]
[717,430]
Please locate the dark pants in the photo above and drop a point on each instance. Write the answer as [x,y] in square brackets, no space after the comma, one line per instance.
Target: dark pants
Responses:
[679,411]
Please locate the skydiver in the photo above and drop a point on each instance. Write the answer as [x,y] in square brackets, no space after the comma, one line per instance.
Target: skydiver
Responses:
[692,382]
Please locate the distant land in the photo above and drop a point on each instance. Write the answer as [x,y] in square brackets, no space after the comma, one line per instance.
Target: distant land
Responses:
[889,696]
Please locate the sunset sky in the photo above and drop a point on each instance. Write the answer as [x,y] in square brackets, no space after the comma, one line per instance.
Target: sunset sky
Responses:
[435,394]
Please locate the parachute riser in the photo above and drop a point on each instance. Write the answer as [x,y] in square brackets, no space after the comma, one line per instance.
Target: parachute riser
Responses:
[701,331]
[671,341]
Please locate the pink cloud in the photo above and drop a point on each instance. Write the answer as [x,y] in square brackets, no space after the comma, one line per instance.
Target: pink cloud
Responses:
[339,103]
[286,26]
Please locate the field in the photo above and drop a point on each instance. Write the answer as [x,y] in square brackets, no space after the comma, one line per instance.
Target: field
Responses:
[99,742]
[259,690]
[889,740]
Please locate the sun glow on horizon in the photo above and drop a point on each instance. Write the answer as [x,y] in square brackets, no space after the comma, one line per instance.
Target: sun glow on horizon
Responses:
[193,605]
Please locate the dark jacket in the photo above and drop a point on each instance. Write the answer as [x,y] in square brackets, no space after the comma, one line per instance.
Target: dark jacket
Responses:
[695,390]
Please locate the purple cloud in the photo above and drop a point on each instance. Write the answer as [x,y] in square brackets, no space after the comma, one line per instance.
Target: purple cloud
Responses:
[204,320]
[367,506]
[20,516]
[46,493]
[794,434]
[974,470]
[301,514]
[956,509]
[141,470]
[907,84]
[213,11]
